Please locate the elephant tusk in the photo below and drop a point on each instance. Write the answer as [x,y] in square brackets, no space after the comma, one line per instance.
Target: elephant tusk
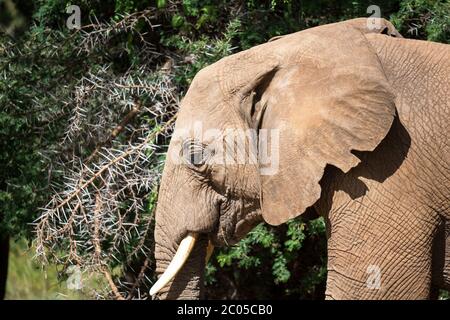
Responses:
[209,251]
[184,249]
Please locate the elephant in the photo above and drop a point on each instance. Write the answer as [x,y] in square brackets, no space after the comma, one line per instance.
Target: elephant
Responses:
[345,120]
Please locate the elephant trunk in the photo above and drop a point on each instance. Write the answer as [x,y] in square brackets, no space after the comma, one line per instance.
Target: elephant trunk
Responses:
[188,283]
[179,253]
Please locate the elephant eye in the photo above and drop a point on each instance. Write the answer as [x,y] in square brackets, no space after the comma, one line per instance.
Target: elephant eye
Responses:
[195,152]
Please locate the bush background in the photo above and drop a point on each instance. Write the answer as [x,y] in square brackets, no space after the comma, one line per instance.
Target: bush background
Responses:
[41,67]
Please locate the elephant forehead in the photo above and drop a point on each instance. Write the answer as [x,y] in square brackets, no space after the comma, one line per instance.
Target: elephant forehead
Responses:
[199,118]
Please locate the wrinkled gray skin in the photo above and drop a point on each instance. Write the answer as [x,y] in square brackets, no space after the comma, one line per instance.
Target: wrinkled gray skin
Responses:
[363,120]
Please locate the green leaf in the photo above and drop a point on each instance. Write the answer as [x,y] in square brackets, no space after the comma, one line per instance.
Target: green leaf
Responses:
[161,4]
[280,270]
[177,21]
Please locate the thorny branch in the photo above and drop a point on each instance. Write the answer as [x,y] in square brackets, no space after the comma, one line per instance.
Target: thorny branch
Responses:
[110,159]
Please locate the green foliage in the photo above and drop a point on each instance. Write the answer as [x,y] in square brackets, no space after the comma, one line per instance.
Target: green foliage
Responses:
[424,19]
[202,52]
[127,6]
[275,256]
[26,81]
[444,295]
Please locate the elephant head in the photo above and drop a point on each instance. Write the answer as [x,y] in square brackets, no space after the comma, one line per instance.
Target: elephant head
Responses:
[253,136]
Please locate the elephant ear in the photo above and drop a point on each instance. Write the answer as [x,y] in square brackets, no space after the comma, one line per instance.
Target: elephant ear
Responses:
[327,99]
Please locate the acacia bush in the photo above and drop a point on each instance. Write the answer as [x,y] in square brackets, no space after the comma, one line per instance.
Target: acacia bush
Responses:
[86,116]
